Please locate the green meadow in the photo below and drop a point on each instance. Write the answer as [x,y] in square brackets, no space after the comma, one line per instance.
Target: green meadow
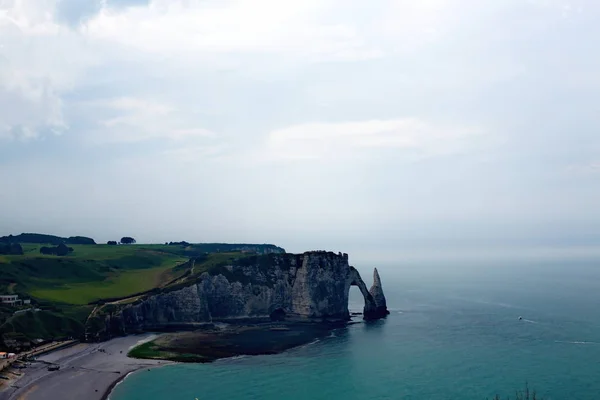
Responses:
[90,272]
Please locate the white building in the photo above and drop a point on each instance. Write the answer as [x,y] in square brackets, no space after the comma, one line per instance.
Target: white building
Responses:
[11,300]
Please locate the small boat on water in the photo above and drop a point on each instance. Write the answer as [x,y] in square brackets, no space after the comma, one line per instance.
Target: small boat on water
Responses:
[520,318]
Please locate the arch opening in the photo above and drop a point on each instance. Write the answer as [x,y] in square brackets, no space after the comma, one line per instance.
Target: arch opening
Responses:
[370,307]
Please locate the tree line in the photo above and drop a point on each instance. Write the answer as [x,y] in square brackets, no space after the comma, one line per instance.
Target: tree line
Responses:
[60,250]
[39,238]
[124,240]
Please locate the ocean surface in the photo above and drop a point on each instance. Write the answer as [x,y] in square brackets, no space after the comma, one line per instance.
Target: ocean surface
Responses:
[453,333]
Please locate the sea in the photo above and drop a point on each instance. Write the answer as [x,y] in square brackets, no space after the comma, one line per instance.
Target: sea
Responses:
[455,331]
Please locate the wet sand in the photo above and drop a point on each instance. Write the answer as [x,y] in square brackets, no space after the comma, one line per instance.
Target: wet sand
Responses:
[87,371]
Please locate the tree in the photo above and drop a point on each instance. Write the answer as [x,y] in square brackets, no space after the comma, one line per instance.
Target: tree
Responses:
[80,240]
[127,240]
[62,250]
[112,242]
[47,250]
[11,248]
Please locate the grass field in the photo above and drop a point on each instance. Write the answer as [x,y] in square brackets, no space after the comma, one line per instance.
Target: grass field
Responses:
[117,285]
[89,273]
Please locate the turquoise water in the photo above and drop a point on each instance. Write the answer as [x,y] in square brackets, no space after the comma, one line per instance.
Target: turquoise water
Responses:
[453,333]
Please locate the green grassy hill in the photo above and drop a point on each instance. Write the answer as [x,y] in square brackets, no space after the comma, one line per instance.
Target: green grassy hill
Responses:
[68,288]
[43,324]
[89,273]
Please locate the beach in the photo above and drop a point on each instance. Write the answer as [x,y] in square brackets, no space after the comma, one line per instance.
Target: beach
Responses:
[87,371]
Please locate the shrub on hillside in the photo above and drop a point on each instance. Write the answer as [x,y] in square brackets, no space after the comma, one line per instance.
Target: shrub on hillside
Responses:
[60,250]
[80,240]
[112,242]
[127,240]
[183,243]
[11,249]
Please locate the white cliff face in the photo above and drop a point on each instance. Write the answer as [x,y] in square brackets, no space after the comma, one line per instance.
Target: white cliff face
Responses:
[312,285]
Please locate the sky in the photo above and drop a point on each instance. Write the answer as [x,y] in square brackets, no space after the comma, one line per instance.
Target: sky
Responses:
[385,129]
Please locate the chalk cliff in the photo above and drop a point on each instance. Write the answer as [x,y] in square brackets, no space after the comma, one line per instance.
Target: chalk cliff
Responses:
[313,285]
[377,293]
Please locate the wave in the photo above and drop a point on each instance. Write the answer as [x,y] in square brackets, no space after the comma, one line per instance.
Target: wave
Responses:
[236,357]
[529,321]
[309,344]
[574,342]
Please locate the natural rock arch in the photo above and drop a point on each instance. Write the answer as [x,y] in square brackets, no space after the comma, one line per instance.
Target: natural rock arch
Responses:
[372,309]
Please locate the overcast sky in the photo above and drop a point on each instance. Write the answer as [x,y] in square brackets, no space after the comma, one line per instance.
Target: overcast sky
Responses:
[370,127]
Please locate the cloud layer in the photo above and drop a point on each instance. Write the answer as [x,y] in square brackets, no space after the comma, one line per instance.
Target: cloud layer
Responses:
[310,124]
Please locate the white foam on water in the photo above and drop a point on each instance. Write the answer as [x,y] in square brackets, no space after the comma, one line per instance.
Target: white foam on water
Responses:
[309,344]
[237,357]
[530,321]
[574,342]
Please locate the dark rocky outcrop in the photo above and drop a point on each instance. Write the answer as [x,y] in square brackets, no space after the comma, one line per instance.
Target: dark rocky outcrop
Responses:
[309,286]
[377,292]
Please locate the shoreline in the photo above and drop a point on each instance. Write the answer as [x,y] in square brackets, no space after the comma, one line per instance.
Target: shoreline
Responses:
[93,370]
[303,334]
[87,371]
[112,386]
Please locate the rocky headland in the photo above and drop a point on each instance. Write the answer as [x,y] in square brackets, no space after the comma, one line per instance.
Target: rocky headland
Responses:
[293,297]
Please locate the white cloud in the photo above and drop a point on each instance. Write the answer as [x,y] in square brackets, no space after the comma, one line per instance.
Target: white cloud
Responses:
[31,17]
[201,91]
[347,139]
[294,29]
[39,61]
[29,104]
[193,154]
[135,120]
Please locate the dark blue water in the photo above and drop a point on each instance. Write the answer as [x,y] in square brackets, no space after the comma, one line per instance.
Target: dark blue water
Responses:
[453,333]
